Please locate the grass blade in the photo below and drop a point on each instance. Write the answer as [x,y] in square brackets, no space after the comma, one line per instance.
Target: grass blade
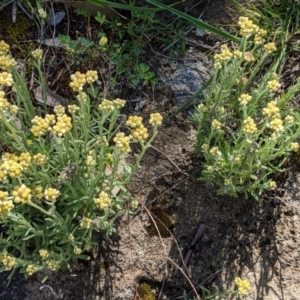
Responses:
[123,6]
[196,22]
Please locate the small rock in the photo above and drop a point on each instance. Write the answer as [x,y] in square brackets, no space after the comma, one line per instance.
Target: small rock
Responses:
[186,76]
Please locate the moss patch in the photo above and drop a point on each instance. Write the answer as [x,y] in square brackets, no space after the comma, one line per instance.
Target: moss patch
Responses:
[144,292]
[13,32]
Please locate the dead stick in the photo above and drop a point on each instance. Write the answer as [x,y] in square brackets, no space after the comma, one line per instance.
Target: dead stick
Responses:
[200,231]
[170,160]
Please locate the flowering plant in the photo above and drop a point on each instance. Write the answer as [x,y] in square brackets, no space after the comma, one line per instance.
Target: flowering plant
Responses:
[246,128]
[243,287]
[62,174]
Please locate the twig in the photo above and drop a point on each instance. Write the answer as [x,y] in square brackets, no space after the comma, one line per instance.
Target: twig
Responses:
[57,296]
[204,282]
[170,160]
[166,191]
[200,231]
[165,250]
[131,253]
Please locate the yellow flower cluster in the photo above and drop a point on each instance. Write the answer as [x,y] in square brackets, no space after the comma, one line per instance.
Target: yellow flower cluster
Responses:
[78,80]
[247,27]
[237,159]
[270,47]
[52,265]
[13,109]
[106,106]
[37,192]
[5,106]
[103,200]
[72,108]
[7,62]
[62,125]
[216,124]
[271,110]
[13,165]
[273,85]
[237,54]
[59,125]
[244,99]
[77,251]
[139,133]
[259,37]
[249,57]
[102,141]
[202,107]
[6,79]
[21,194]
[155,119]
[277,125]
[119,103]
[294,146]
[51,194]
[71,237]
[7,156]
[215,151]
[24,159]
[90,162]
[6,205]
[109,106]
[86,222]
[82,96]
[3,48]
[289,119]
[224,56]
[91,76]
[11,168]
[59,110]
[42,13]
[272,185]
[103,41]
[228,181]
[39,159]
[122,142]
[274,76]
[7,261]
[31,269]
[209,168]
[43,253]
[42,125]
[249,125]
[134,121]
[134,204]
[37,53]
[242,285]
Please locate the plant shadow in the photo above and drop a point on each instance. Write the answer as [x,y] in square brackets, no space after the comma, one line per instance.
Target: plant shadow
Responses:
[240,240]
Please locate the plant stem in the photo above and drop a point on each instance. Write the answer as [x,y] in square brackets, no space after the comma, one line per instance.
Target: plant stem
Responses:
[136,166]
[41,209]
